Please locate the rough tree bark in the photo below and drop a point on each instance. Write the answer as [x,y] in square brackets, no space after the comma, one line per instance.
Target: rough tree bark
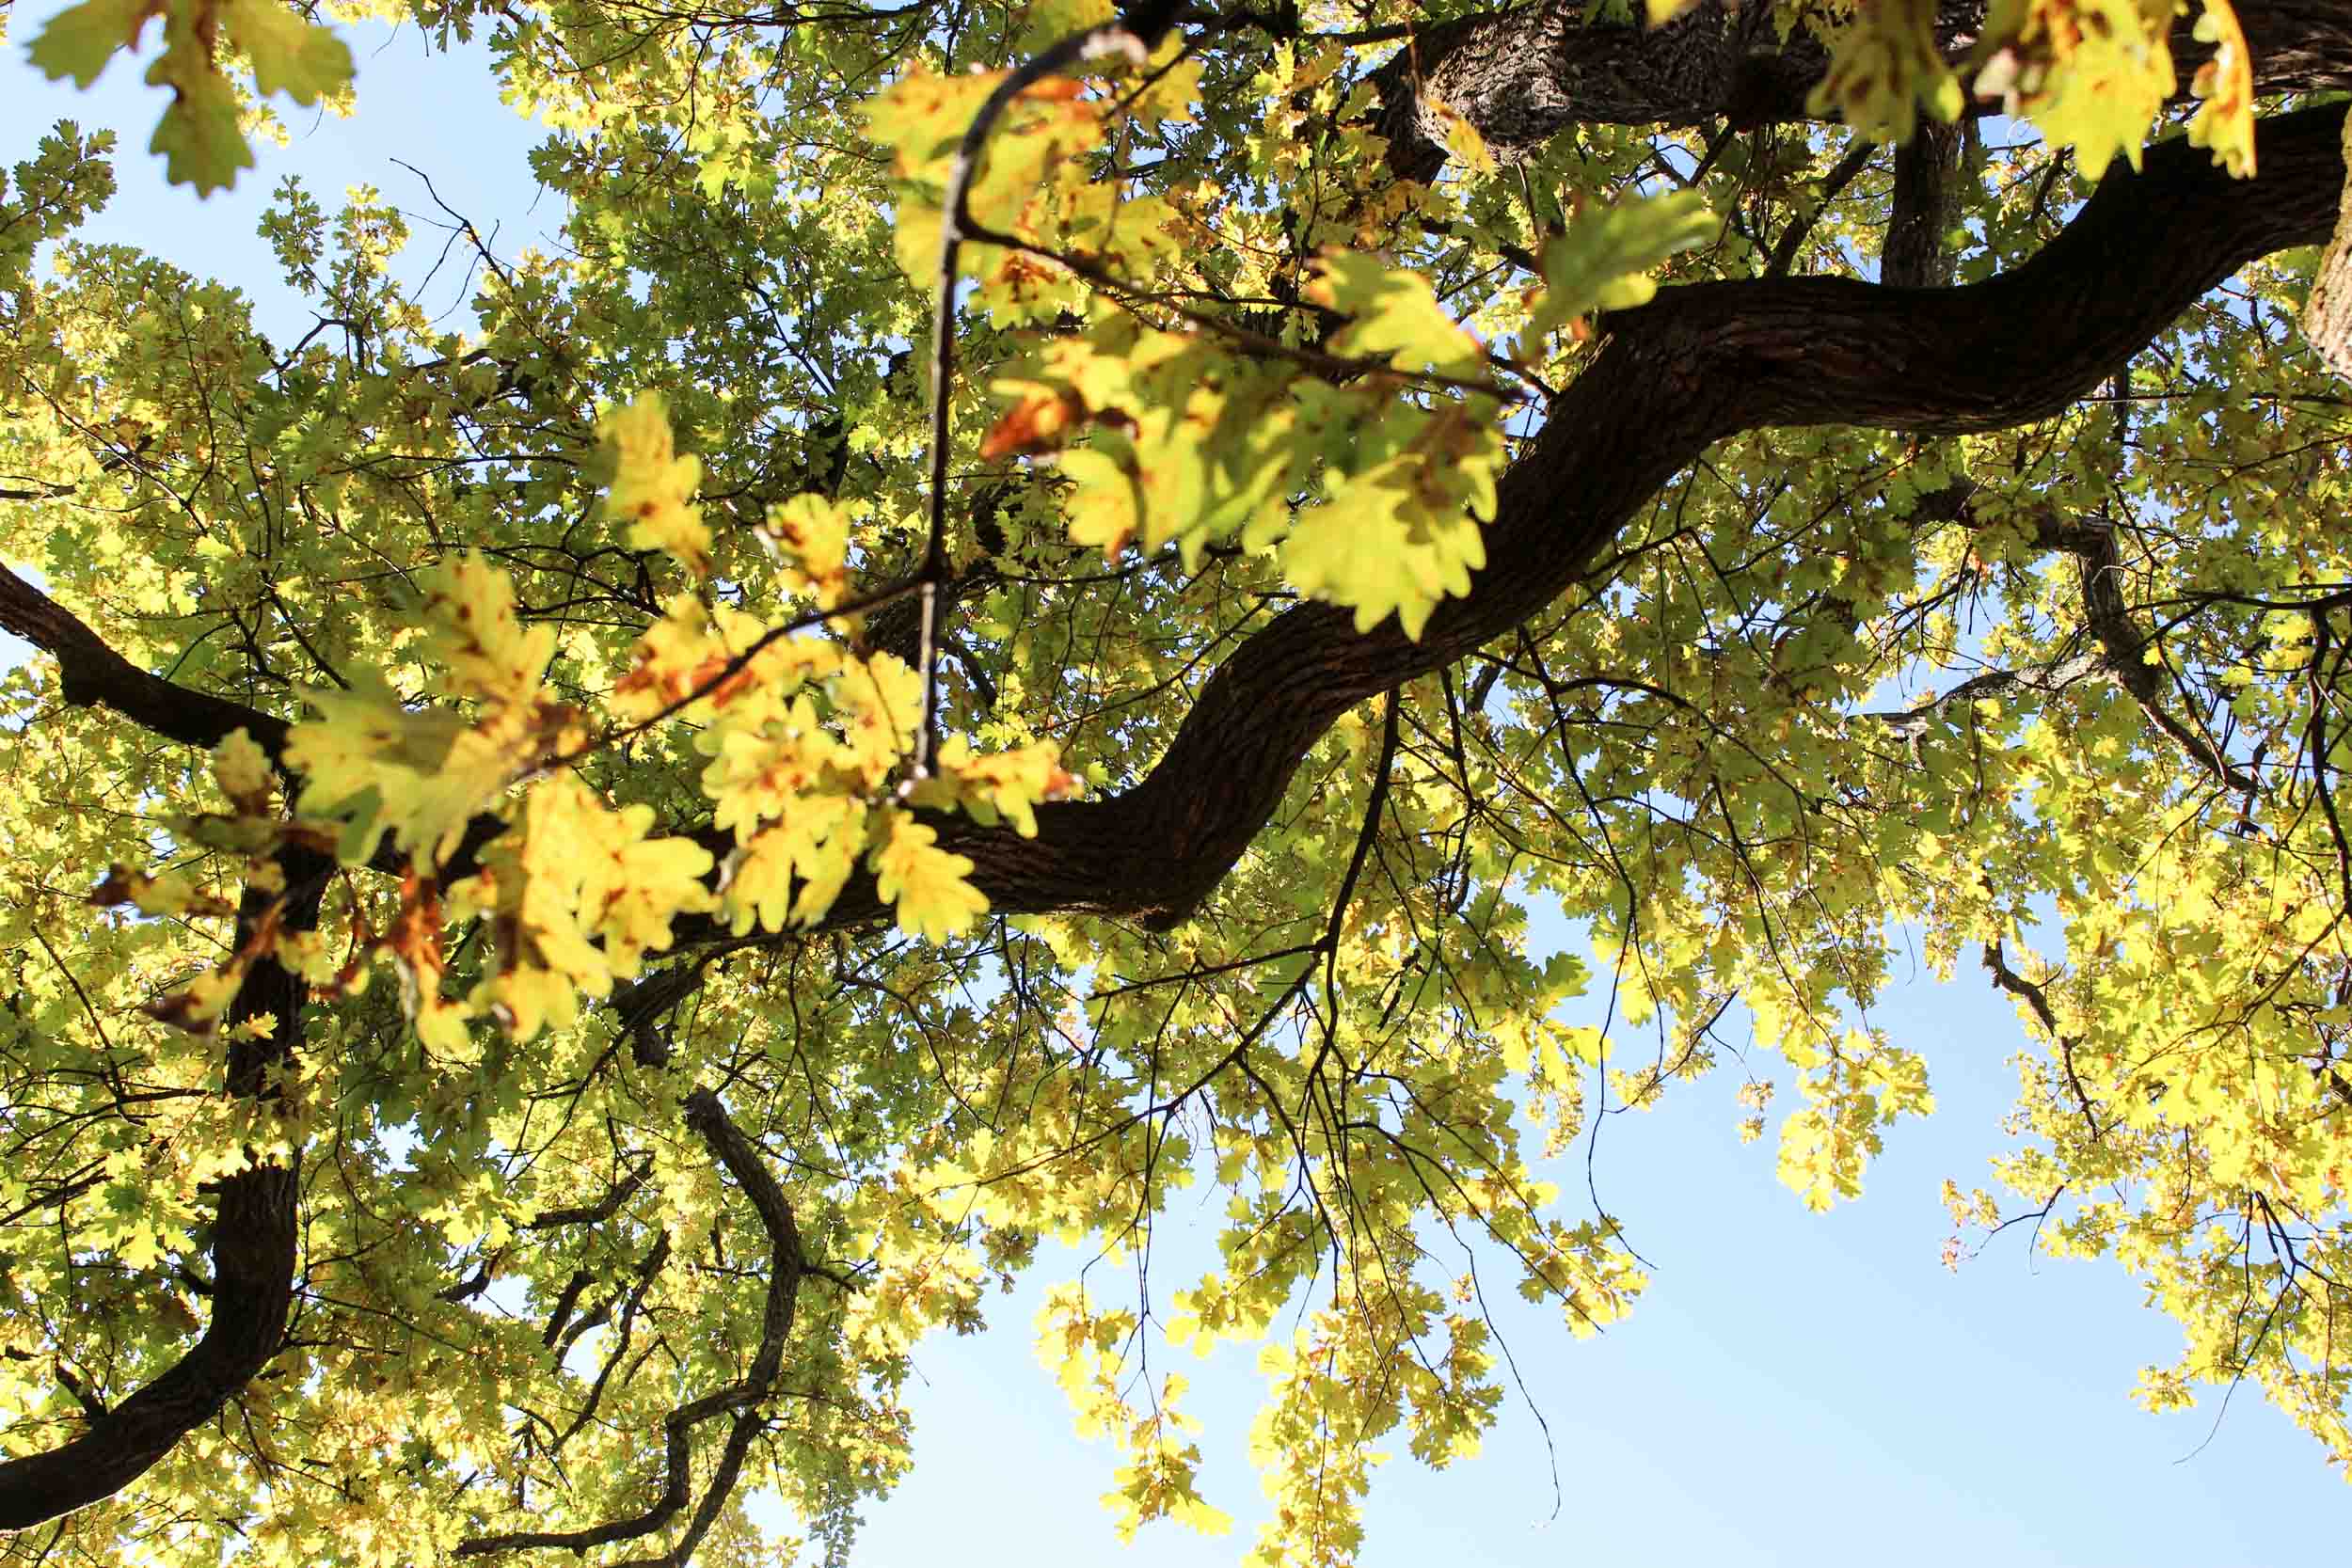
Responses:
[1925,206]
[2327,317]
[1524,75]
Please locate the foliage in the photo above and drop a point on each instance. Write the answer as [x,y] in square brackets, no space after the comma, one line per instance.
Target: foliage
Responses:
[198,134]
[669,919]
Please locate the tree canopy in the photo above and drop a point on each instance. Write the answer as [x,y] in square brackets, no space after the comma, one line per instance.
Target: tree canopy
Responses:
[1016,620]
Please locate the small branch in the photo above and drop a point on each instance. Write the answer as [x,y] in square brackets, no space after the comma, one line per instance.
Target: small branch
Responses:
[2123,645]
[91,1404]
[956,223]
[96,675]
[741,1160]
[1857,158]
[1336,369]
[1996,964]
[1911,723]
[598,1213]
[736,666]
[640,1005]
[1365,837]
[2017,984]
[1133,35]
[2109,619]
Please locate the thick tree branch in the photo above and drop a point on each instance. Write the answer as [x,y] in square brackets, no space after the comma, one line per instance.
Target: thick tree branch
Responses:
[253,1250]
[1524,75]
[93,673]
[1696,365]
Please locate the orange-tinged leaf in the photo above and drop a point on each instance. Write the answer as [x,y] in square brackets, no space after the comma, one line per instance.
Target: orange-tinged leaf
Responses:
[1039,422]
[2225,121]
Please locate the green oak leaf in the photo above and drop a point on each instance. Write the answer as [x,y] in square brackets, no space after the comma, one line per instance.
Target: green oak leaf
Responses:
[299,59]
[198,135]
[1603,262]
[79,41]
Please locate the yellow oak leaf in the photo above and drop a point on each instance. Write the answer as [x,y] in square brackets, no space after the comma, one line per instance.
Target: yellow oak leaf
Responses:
[925,883]
[653,486]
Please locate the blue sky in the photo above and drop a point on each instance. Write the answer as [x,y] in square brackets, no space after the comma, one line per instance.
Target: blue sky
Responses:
[1794,1389]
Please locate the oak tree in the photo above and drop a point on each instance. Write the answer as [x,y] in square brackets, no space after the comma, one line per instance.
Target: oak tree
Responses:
[1018,619]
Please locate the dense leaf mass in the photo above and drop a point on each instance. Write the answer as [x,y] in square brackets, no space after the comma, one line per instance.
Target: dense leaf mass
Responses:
[1020,618]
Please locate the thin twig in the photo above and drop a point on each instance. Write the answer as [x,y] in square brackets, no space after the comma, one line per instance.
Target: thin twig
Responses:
[956,225]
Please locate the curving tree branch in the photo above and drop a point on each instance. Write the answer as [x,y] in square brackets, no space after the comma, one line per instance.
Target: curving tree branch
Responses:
[254,1245]
[93,673]
[1696,365]
[786,1265]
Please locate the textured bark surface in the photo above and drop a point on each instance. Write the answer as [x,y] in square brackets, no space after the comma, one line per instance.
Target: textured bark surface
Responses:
[2327,317]
[1924,209]
[2297,45]
[1524,75]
